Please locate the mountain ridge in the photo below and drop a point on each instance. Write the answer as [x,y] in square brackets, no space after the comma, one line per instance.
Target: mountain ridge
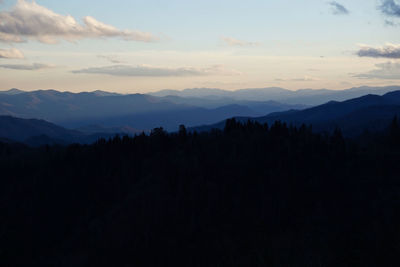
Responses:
[300,96]
[36,132]
[353,116]
[74,110]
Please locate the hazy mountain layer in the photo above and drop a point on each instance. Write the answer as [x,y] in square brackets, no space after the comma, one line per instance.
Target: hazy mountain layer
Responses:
[141,112]
[302,96]
[112,112]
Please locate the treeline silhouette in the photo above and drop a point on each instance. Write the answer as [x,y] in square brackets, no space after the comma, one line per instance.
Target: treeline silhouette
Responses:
[250,195]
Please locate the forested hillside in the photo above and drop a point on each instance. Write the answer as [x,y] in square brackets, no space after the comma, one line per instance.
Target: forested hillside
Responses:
[249,195]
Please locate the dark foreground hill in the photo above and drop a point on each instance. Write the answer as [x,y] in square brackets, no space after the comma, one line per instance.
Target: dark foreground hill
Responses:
[250,195]
[354,116]
[22,129]
[39,132]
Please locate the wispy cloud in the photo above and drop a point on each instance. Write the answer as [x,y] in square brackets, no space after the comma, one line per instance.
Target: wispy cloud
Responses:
[151,71]
[301,79]
[388,70]
[111,58]
[28,20]
[338,9]
[386,51]
[390,8]
[12,53]
[235,42]
[390,23]
[34,66]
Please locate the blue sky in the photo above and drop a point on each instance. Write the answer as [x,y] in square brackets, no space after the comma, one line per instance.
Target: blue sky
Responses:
[154,45]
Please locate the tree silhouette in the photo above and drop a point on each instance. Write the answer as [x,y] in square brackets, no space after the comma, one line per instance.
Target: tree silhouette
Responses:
[249,195]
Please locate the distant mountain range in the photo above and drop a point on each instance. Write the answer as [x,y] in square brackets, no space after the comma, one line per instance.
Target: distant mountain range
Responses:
[137,111]
[107,113]
[310,97]
[369,112]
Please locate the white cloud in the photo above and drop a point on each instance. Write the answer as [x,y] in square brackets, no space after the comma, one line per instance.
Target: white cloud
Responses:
[112,58]
[235,42]
[12,53]
[387,51]
[151,71]
[388,70]
[34,66]
[28,20]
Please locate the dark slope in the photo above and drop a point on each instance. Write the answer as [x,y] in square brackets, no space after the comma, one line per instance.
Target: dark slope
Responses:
[39,132]
[353,116]
[21,129]
[93,129]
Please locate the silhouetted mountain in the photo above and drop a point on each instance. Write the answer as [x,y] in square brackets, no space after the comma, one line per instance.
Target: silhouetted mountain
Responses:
[369,112]
[302,96]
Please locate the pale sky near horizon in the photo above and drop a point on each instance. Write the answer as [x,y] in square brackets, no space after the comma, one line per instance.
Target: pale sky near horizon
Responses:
[141,46]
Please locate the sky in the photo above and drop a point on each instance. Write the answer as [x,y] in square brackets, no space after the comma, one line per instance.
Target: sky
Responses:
[131,46]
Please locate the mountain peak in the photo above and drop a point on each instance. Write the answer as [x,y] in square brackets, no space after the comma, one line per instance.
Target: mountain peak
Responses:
[12,91]
[104,93]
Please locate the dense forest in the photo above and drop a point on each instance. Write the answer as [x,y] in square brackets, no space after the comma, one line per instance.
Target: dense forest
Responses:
[248,195]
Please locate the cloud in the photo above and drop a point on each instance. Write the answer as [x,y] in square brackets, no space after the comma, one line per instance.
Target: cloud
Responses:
[390,8]
[338,9]
[151,71]
[234,42]
[302,79]
[111,58]
[28,20]
[388,70]
[12,53]
[34,66]
[390,23]
[386,51]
